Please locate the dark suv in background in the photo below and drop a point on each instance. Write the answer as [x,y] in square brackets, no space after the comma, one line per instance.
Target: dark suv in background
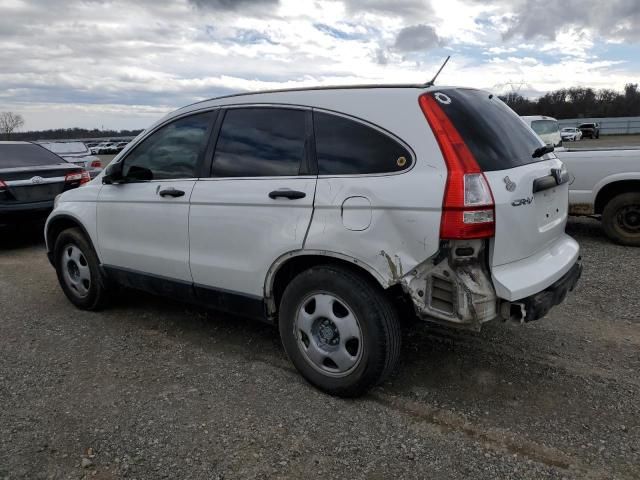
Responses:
[591,130]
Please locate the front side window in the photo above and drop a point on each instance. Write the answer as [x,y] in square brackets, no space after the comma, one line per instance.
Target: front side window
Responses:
[260,142]
[347,147]
[171,152]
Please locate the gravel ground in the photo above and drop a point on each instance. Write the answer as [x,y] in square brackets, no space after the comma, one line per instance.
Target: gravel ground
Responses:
[606,141]
[154,389]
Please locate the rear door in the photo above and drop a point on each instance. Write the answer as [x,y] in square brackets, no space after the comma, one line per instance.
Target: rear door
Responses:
[530,197]
[256,205]
[143,221]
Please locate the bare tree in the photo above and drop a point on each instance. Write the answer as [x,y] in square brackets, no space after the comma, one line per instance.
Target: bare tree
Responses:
[9,121]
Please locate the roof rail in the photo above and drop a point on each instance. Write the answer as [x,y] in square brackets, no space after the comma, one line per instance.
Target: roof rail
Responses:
[304,89]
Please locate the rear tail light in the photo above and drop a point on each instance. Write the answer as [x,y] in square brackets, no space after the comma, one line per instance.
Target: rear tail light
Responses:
[96,164]
[468,209]
[3,186]
[81,177]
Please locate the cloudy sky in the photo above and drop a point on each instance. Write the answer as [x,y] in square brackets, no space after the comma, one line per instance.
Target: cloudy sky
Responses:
[118,64]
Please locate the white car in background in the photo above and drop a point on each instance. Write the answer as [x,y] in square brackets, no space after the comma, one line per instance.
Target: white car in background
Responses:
[571,134]
[327,212]
[76,153]
[104,148]
[546,128]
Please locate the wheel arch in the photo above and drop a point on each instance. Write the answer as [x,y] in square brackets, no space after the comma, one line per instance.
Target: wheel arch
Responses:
[292,263]
[612,189]
[56,225]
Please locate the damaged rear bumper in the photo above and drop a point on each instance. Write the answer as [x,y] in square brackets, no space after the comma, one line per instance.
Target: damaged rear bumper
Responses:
[538,305]
[456,288]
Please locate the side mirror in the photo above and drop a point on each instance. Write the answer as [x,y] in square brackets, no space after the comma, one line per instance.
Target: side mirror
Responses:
[112,174]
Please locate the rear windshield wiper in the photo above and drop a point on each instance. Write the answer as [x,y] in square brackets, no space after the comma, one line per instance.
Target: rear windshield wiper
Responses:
[540,151]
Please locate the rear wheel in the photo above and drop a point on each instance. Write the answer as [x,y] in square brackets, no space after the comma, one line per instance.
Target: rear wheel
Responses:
[339,330]
[78,270]
[621,219]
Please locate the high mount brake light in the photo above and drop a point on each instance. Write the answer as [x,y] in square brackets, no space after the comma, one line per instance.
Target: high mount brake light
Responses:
[468,208]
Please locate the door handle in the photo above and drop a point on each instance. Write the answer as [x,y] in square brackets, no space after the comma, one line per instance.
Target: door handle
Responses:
[170,192]
[290,194]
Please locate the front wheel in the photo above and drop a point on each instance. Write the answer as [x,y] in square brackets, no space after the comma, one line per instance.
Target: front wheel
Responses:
[621,219]
[78,270]
[339,330]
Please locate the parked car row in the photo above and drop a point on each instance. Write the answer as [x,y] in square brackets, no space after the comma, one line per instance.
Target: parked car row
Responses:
[107,148]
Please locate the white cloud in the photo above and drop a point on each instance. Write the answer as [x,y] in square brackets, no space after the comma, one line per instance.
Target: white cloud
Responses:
[123,64]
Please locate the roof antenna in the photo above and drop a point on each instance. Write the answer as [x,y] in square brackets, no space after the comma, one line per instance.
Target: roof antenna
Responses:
[432,81]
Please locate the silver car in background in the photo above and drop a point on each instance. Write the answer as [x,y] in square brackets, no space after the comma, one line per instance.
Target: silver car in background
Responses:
[76,153]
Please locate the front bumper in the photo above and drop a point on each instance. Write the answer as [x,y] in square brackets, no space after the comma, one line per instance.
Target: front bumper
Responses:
[538,305]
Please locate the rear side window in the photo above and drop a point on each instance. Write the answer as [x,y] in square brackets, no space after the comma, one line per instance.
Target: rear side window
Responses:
[494,133]
[13,155]
[347,147]
[260,142]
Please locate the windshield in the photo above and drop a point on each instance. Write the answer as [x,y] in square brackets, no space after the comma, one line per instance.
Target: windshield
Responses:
[586,125]
[26,155]
[66,147]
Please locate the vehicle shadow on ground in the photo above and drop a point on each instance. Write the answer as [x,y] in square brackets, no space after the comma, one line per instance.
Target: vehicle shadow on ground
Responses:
[455,366]
[15,237]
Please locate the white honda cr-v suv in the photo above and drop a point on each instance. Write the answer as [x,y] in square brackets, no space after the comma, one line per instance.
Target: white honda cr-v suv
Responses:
[326,211]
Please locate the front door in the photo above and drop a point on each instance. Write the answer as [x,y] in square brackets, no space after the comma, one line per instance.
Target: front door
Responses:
[143,221]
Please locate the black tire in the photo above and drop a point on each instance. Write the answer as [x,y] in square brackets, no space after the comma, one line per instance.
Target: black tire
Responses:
[377,319]
[621,217]
[96,296]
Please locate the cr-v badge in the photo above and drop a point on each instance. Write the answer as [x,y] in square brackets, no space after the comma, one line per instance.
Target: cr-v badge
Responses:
[511,186]
[522,201]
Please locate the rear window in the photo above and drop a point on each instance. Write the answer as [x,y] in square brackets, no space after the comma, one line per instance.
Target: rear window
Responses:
[14,155]
[494,133]
[65,147]
[542,127]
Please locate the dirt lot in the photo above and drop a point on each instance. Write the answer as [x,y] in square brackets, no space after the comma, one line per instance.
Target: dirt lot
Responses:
[606,141]
[159,390]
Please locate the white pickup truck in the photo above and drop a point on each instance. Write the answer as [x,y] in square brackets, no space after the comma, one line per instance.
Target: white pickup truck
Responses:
[606,182]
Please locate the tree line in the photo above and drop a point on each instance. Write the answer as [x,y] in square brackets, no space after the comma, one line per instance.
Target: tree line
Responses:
[579,102]
[72,133]
[575,102]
